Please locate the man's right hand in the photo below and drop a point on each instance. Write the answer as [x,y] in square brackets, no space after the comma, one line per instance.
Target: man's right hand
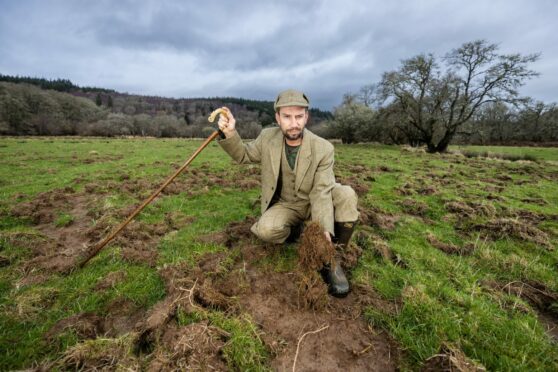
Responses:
[227,123]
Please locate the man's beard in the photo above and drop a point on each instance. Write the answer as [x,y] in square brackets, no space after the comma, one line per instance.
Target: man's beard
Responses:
[294,136]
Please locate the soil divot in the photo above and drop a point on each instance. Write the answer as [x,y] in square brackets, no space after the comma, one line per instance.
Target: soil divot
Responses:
[372,217]
[507,227]
[449,248]
[85,325]
[414,207]
[99,354]
[196,347]
[540,297]
[451,359]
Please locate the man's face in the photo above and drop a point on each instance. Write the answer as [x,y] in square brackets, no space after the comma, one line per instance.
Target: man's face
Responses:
[292,120]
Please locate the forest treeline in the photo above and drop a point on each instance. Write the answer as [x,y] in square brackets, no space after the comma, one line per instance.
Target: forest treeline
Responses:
[35,106]
[469,96]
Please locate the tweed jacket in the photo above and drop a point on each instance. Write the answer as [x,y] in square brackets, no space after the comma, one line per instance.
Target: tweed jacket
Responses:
[314,178]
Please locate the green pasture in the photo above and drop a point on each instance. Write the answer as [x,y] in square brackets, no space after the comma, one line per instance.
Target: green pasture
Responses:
[443,297]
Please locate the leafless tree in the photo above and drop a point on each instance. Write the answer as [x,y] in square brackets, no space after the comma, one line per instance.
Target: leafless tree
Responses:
[437,101]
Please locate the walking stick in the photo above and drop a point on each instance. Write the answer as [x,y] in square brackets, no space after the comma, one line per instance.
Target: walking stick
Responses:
[105,241]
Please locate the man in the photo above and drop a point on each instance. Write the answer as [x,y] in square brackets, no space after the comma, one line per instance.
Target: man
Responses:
[297,180]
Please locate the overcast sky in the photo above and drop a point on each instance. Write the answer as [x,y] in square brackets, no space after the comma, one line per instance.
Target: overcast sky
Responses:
[253,49]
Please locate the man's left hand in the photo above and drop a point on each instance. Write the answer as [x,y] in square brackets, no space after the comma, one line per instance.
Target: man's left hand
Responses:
[328,236]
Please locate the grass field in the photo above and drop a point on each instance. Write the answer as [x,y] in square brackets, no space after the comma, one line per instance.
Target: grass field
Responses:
[457,258]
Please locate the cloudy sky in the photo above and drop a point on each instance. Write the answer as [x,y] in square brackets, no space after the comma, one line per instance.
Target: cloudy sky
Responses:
[255,48]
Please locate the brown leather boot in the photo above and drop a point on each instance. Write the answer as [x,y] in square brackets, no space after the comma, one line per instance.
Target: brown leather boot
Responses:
[334,275]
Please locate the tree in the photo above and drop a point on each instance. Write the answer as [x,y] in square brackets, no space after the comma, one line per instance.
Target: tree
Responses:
[438,101]
[109,103]
[98,100]
[351,121]
[368,94]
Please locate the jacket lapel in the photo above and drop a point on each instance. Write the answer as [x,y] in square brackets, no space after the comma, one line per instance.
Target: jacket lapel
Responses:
[304,159]
[276,147]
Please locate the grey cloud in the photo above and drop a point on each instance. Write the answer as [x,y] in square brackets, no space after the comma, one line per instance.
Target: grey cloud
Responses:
[327,47]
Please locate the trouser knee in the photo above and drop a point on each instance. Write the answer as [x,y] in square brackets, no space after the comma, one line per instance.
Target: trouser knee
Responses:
[271,233]
[345,202]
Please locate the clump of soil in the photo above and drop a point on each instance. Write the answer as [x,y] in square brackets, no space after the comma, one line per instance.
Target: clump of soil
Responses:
[4,261]
[535,293]
[460,208]
[450,358]
[470,209]
[101,354]
[506,227]
[414,207]
[359,186]
[529,216]
[42,209]
[85,325]
[312,291]
[349,255]
[372,217]
[314,250]
[449,248]
[314,253]
[196,346]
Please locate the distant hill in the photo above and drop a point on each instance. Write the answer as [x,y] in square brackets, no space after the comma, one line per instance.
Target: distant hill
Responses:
[37,106]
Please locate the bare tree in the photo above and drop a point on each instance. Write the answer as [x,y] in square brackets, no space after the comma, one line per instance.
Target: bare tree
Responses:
[438,101]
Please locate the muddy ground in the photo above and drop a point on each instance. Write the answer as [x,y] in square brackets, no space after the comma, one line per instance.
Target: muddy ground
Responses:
[285,306]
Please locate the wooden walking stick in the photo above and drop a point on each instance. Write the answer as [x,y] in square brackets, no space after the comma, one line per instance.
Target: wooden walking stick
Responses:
[111,236]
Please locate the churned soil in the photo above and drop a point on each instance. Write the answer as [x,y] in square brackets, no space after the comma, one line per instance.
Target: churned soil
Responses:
[297,321]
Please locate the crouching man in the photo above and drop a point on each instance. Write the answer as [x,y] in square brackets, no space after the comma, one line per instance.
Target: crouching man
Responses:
[297,180]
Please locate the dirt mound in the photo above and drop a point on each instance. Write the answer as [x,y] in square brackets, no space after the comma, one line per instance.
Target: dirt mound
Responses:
[84,325]
[451,359]
[449,248]
[414,207]
[460,208]
[42,209]
[361,187]
[373,217]
[196,346]
[506,227]
[349,255]
[100,354]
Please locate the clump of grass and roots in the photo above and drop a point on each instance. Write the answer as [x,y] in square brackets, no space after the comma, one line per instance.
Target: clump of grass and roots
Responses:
[314,253]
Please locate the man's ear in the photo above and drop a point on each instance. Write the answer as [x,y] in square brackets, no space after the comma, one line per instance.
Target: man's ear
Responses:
[277,118]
